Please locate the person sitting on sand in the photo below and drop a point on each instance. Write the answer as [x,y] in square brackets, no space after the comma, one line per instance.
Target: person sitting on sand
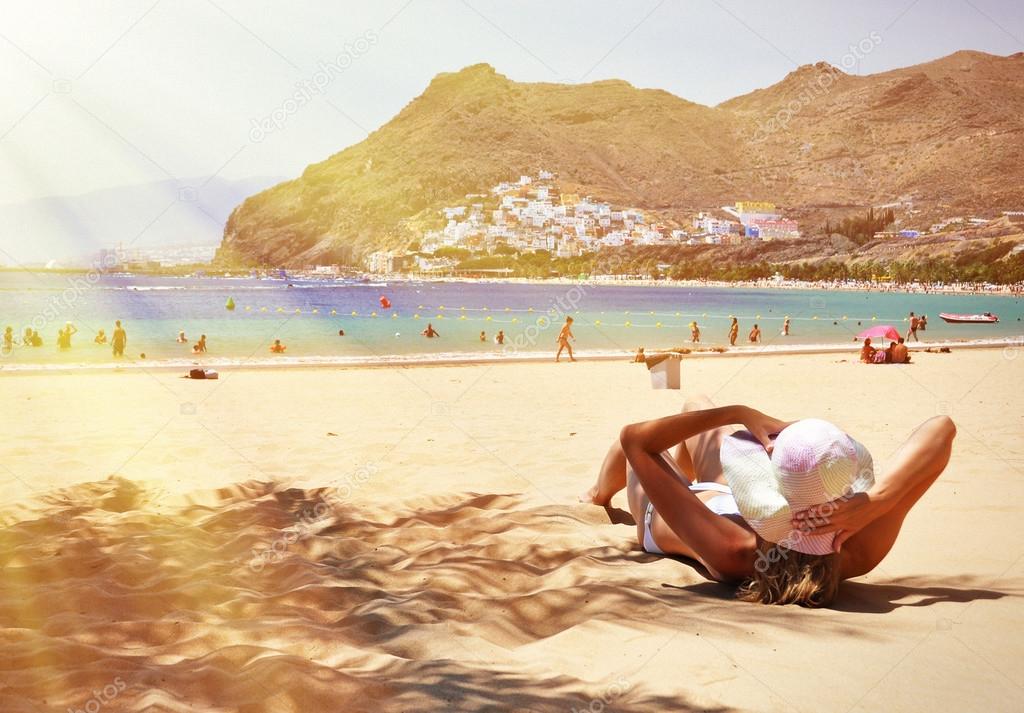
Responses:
[888,352]
[867,352]
[640,357]
[277,347]
[499,338]
[430,332]
[564,335]
[182,339]
[755,335]
[694,332]
[785,510]
[101,337]
[734,331]
[900,353]
[200,346]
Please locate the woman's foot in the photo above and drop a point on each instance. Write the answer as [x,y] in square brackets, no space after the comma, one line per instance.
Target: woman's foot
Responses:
[594,497]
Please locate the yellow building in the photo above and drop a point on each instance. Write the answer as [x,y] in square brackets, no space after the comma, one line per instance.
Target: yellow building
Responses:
[570,199]
[755,207]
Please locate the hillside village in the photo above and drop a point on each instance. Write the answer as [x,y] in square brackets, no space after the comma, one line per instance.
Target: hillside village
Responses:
[533,214]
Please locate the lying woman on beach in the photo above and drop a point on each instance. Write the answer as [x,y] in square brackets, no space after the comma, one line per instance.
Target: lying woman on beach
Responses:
[785,510]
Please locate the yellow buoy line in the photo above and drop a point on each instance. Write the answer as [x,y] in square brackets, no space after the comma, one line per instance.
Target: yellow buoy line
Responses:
[443,312]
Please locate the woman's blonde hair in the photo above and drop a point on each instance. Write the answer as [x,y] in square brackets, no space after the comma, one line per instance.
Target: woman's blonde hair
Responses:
[785,576]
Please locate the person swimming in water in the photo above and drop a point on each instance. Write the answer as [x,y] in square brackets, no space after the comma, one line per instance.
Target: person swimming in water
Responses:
[430,332]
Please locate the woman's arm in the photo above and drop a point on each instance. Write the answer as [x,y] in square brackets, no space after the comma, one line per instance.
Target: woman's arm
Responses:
[872,520]
[720,543]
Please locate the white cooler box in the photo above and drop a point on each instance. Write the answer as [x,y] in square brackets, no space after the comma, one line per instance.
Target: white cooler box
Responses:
[665,372]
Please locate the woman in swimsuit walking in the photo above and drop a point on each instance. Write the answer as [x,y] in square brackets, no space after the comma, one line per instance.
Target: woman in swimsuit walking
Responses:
[787,511]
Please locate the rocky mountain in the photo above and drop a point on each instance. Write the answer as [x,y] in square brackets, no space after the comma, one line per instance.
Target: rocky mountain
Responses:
[944,137]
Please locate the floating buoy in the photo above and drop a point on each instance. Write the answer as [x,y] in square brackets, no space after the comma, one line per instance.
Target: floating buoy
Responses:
[678,314]
[814,317]
[385,302]
[298,311]
[597,322]
[397,335]
[757,316]
[873,318]
[462,316]
[515,319]
[334,311]
[488,318]
[441,307]
[373,314]
[280,309]
[651,312]
[248,308]
[628,324]
[844,316]
[316,311]
[463,309]
[507,309]
[530,309]
[229,305]
[419,306]
[394,315]
[354,313]
[658,324]
[415,316]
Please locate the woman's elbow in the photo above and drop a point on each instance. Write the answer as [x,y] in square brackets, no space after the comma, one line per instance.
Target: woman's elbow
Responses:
[945,427]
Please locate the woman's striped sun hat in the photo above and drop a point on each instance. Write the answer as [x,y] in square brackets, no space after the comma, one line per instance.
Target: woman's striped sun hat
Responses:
[813,463]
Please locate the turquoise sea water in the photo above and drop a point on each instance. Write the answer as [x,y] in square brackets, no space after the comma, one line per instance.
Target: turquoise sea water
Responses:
[608,317]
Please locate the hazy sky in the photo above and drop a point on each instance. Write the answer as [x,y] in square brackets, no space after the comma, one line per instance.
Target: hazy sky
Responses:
[123,92]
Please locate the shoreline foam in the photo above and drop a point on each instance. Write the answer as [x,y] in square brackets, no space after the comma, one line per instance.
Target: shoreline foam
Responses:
[472,358]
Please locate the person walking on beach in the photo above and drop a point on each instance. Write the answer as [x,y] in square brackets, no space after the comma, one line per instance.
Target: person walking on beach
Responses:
[785,326]
[564,335]
[755,335]
[734,331]
[430,332]
[119,340]
[914,324]
[694,332]
[200,346]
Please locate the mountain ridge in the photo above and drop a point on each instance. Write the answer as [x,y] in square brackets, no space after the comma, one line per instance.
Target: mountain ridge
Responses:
[944,135]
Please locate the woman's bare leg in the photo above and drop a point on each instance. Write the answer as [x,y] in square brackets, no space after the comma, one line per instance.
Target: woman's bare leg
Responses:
[610,479]
[701,459]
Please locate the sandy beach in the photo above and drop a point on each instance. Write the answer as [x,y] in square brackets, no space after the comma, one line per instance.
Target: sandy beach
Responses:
[409,539]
